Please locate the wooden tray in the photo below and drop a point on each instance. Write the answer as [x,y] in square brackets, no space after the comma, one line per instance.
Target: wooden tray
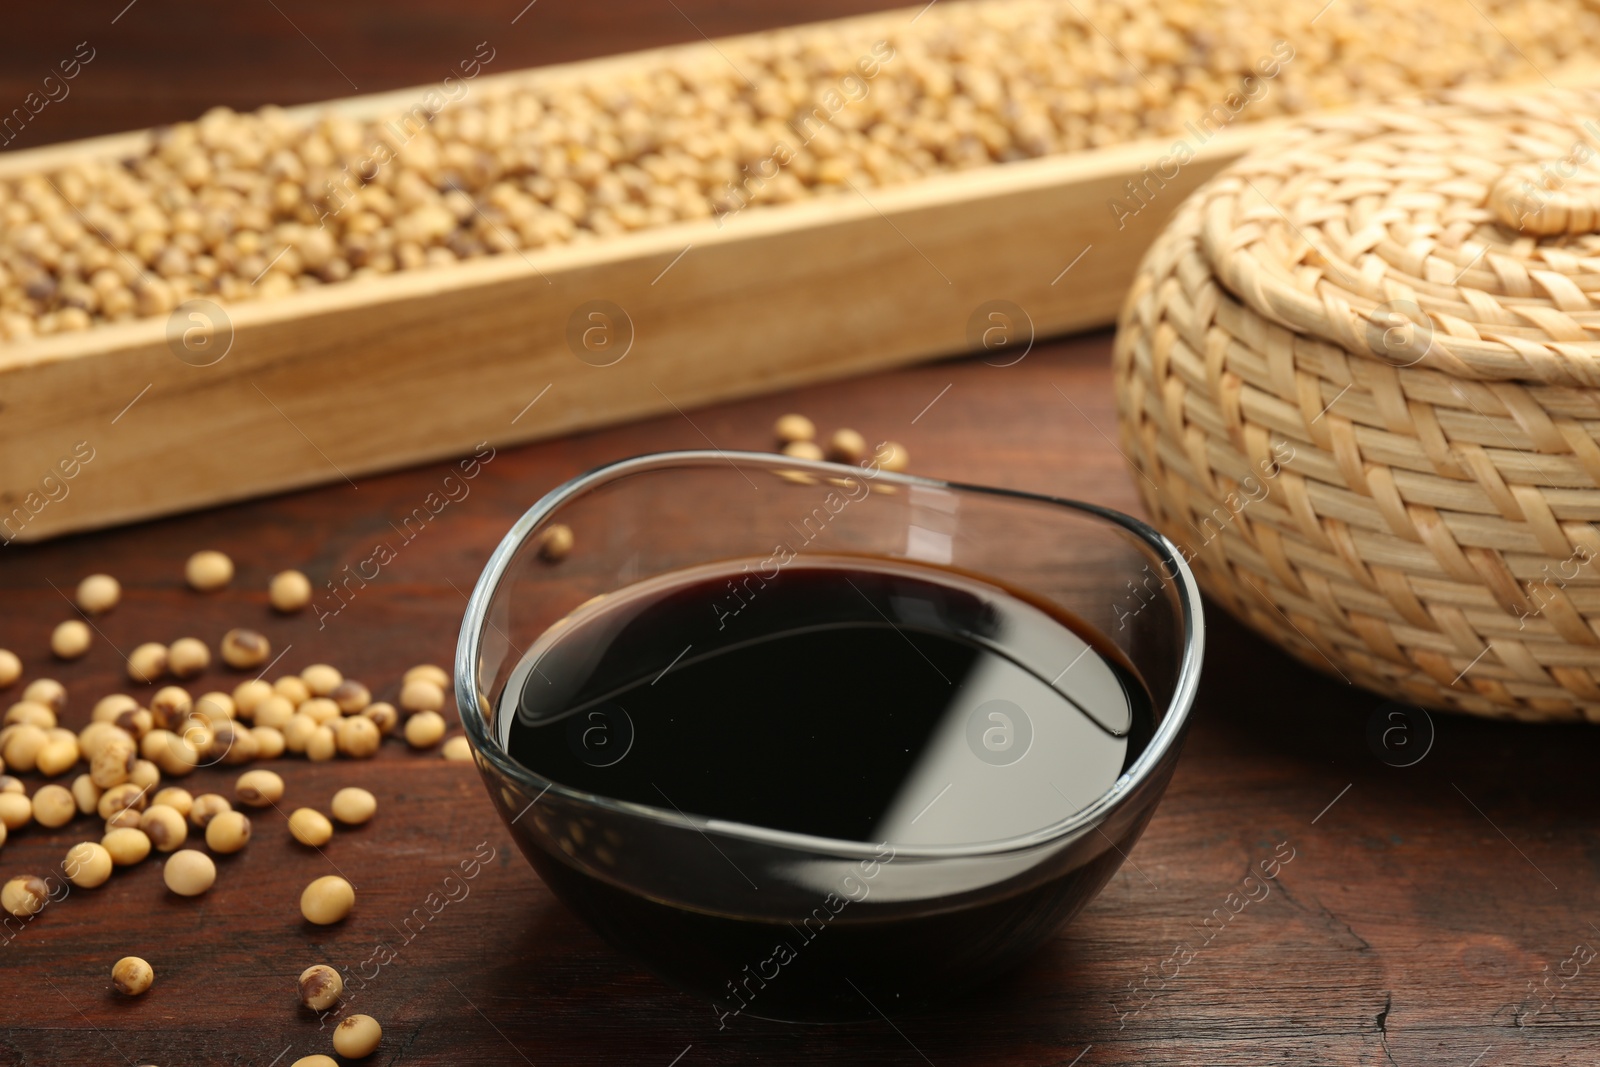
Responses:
[109,425]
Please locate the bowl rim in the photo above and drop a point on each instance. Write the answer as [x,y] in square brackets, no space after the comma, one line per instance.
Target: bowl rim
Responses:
[488,748]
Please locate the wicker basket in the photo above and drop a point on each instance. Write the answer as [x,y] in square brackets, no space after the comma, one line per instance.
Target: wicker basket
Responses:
[1359,379]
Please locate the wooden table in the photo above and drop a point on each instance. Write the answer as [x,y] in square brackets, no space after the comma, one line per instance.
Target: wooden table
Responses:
[1436,913]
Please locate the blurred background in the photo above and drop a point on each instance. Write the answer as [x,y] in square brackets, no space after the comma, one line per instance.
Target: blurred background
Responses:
[162,62]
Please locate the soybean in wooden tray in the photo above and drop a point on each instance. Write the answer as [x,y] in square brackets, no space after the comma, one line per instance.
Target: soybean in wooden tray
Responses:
[185,312]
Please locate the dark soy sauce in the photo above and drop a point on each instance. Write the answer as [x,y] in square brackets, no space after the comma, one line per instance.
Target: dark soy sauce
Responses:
[859,699]
[854,699]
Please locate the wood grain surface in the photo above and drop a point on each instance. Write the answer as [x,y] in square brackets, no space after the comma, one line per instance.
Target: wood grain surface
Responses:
[1439,913]
[1416,913]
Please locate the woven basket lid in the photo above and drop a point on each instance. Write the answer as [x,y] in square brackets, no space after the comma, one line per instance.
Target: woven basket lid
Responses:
[1458,235]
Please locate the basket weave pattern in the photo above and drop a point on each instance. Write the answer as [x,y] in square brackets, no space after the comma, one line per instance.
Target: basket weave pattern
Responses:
[1359,380]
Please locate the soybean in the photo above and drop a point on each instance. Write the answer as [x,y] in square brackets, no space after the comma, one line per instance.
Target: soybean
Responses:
[109,708]
[208,570]
[351,696]
[269,742]
[187,657]
[47,691]
[847,446]
[175,755]
[20,745]
[322,745]
[70,639]
[292,689]
[243,649]
[124,797]
[111,765]
[320,986]
[228,832]
[215,706]
[126,845]
[24,895]
[357,737]
[383,716]
[87,865]
[791,428]
[170,705]
[427,672]
[179,800]
[98,594]
[189,873]
[892,456]
[97,735]
[144,774]
[231,743]
[136,721]
[275,711]
[310,827]
[86,794]
[206,807]
[258,789]
[357,1036]
[53,806]
[58,755]
[249,696]
[165,827]
[424,729]
[422,695]
[327,900]
[148,662]
[298,731]
[30,713]
[556,542]
[132,976]
[321,679]
[289,591]
[353,806]
[16,811]
[320,710]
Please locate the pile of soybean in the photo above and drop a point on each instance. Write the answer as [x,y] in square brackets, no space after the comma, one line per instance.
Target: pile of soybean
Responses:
[119,772]
[240,207]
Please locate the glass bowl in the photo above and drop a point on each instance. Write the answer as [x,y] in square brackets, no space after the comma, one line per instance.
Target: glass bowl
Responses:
[790,926]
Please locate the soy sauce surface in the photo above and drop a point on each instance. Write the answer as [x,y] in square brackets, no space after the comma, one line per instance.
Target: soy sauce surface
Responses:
[850,698]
